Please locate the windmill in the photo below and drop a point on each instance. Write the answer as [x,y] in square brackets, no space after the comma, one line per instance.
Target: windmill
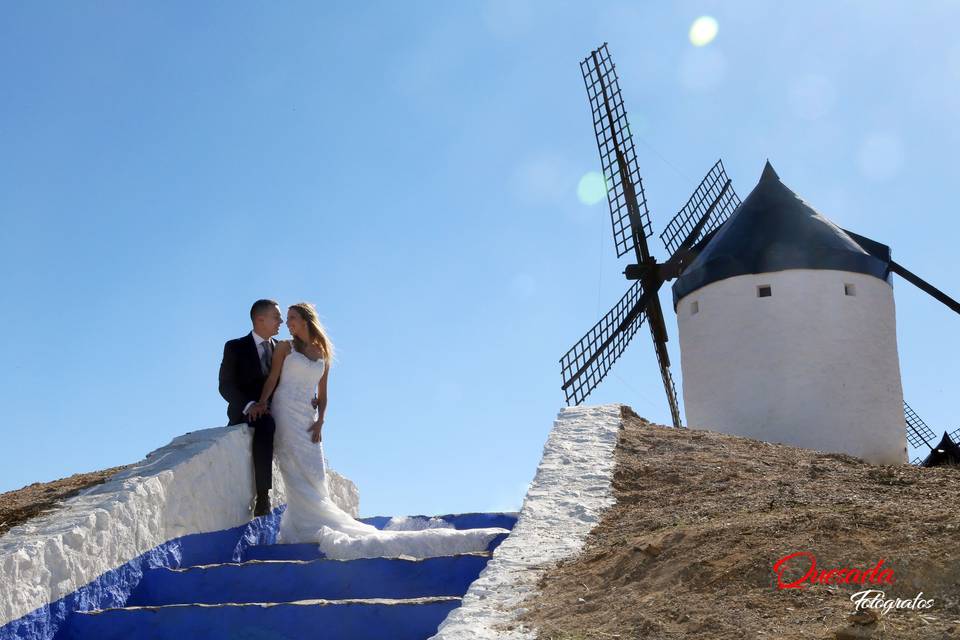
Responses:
[787,322]
[586,364]
[919,435]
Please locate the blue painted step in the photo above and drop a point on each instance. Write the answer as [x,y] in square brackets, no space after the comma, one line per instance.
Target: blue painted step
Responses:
[312,551]
[287,581]
[225,589]
[331,620]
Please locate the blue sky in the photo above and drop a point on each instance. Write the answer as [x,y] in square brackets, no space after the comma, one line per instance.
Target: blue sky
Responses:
[412,169]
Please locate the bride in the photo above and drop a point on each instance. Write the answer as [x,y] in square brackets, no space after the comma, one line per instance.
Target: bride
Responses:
[299,374]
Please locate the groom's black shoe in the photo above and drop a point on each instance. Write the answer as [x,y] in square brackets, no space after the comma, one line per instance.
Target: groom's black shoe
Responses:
[263,504]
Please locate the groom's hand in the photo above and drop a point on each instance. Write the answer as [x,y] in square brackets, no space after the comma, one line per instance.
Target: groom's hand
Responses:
[257,410]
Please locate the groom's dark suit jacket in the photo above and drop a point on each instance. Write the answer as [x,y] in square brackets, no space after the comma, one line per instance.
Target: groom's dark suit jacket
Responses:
[241,380]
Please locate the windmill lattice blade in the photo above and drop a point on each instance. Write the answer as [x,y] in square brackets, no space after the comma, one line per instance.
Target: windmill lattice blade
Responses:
[918,433]
[671,395]
[586,364]
[715,194]
[916,462]
[955,435]
[618,157]
[663,359]
[922,284]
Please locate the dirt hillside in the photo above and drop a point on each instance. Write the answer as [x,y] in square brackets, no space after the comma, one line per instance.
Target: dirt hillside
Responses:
[16,507]
[700,519]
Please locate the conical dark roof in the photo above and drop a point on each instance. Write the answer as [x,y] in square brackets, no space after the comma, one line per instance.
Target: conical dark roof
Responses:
[947,452]
[774,230]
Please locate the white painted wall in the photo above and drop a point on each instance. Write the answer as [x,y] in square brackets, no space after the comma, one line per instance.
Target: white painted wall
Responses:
[565,501]
[200,482]
[808,366]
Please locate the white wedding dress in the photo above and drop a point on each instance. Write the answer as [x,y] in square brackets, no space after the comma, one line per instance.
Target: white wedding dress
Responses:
[311,515]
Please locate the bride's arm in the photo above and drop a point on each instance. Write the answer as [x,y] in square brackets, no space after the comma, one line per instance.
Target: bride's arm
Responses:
[322,394]
[281,353]
[316,428]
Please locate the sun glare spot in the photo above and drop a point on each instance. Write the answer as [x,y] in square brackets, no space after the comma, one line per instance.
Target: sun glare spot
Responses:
[592,188]
[703,31]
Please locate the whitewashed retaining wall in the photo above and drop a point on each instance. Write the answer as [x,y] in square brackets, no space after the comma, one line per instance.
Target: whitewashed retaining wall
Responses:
[565,501]
[200,482]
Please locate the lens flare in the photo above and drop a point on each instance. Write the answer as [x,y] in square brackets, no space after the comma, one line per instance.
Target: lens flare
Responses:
[592,188]
[703,31]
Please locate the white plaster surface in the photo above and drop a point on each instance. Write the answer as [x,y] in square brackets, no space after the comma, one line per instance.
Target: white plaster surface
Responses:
[565,501]
[808,366]
[200,482]
[412,523]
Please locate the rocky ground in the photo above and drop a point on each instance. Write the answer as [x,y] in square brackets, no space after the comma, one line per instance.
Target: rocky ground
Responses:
[701,518]
[16,507]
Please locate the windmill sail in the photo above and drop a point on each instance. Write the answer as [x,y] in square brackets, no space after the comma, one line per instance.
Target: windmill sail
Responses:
[618,158]
[918,433]
[922,284]
[663,359]
[586,364]
[709,207]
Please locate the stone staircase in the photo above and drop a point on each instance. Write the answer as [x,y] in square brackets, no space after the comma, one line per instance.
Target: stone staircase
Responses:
[264,590]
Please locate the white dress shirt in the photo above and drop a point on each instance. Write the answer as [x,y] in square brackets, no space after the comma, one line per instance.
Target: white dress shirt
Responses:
[260,350]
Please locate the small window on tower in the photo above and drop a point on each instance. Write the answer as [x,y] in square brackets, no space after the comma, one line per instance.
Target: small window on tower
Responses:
[764,291]
[694,307]
[849,290]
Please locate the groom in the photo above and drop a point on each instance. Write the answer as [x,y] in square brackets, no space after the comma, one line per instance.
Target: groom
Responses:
[244,369]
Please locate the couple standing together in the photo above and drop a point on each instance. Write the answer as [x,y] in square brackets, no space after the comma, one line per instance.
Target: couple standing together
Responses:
[279,388]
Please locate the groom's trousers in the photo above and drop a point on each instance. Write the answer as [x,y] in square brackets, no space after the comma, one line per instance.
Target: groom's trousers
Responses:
[263,430]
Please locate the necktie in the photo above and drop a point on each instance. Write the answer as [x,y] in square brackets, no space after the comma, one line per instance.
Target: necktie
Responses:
[266,357]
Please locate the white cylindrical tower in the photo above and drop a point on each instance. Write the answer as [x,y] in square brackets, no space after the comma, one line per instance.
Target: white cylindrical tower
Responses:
[788,332]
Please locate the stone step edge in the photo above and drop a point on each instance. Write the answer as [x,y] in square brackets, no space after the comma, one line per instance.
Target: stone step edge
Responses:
[402,558]
[300,603]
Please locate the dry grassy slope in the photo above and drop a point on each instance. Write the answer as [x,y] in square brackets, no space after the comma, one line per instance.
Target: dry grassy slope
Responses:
[701,517]
[16,507]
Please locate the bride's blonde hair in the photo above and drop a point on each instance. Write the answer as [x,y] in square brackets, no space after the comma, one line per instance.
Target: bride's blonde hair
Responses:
[318,335]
